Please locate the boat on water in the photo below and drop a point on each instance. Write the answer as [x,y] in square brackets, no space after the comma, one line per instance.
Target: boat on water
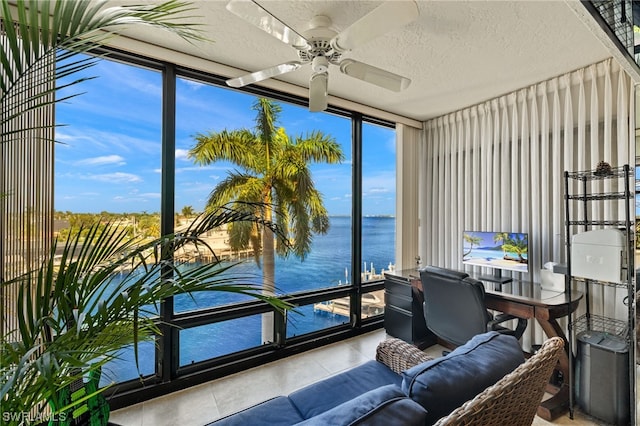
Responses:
[372,303]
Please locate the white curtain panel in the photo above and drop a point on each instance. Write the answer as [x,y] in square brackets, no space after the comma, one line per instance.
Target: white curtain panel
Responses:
[499,166]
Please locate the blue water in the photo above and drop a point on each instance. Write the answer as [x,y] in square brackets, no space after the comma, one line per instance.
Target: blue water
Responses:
[323,267]
[477,253]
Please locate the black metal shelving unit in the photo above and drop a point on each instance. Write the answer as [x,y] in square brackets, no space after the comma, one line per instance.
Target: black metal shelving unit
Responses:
[581,222]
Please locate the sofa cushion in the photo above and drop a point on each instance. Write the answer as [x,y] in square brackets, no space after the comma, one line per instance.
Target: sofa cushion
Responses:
[275,411]
[333,391]
[445,383]
[386,405]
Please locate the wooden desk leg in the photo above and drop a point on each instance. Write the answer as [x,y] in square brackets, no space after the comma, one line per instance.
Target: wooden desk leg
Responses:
[558,404]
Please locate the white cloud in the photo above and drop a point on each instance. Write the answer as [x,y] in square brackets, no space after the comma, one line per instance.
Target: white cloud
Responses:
[199,168]
[194,85]
[88,138]
[101,161]
[382,182]
[182,154]
[115,177]
[191,187]
[150,195]
[378,190]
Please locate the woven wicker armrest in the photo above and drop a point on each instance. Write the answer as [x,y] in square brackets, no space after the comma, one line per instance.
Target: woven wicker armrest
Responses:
[399,355]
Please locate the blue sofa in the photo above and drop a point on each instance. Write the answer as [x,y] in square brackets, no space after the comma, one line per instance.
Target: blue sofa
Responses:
[375,394]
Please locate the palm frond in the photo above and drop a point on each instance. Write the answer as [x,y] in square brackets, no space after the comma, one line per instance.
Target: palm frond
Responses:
[318,147]
[241,147]
[266,118]
[237,186]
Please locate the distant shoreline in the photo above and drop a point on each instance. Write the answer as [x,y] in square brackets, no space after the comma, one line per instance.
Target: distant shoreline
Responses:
[105,213]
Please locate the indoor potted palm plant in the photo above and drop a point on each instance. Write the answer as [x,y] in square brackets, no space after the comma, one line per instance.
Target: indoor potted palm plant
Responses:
[95,297]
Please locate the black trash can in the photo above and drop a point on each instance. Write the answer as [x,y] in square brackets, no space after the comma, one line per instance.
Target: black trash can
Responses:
[602,376]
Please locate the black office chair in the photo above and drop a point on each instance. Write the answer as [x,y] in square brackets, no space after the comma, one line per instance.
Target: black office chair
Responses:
[454,307]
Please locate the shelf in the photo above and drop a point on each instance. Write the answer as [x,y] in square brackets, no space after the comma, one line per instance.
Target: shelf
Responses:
[600,197]
[600,323]
[616,172]
[604,283]
[606,327]
[619,223]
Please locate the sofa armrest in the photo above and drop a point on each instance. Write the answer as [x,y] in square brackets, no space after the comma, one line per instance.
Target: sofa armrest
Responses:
[399,355]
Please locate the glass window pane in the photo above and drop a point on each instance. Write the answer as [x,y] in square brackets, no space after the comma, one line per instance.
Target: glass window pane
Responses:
[204,112]
[221,338]
[108,167]
[372,304]
[124,368]
[318,316]
[378,200]
[109,158]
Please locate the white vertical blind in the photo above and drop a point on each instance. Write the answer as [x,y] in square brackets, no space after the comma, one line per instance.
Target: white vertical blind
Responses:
[499,166]
[26,182]
[407,200]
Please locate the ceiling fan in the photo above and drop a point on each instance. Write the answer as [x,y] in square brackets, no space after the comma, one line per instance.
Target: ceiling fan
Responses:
[322,46]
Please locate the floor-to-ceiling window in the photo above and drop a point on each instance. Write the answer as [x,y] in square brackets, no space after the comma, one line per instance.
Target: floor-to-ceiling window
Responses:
[109,166]
[378,210]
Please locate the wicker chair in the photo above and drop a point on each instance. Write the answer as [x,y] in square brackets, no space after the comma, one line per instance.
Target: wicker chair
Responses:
[515,398]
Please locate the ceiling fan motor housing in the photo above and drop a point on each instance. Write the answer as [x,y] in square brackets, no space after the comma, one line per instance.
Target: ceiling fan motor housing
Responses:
[319,36]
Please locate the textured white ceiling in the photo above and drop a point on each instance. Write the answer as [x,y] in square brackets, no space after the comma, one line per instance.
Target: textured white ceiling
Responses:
[457,54]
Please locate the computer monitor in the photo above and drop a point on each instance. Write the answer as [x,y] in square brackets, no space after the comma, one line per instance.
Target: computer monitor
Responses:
[497,250]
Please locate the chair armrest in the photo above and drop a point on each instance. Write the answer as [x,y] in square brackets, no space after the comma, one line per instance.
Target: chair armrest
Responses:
[399,355]
[493,325]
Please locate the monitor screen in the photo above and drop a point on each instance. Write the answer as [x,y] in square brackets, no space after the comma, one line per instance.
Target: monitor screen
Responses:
[498,250]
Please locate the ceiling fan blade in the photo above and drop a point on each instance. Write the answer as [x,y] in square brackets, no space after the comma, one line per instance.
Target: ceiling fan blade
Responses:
[254,77]
[255,14]
[389,16]
[373,75]
[318,91]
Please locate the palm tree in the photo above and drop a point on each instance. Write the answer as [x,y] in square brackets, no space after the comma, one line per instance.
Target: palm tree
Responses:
[187,211]
[518,245]
[274,171]
[504,238]
[469,238]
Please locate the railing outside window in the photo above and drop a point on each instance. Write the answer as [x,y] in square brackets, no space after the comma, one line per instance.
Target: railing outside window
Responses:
[622,18]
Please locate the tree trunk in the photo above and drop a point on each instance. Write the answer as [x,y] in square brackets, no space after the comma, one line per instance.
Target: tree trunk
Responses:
[268,274]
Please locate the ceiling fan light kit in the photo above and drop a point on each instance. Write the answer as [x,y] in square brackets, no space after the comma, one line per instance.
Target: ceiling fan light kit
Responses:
[322,46]
[318,92]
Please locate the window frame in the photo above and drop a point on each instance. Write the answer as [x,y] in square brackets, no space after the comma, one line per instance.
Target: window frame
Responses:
[169,375]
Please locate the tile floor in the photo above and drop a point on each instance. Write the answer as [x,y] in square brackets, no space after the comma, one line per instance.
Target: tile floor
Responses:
[202,404]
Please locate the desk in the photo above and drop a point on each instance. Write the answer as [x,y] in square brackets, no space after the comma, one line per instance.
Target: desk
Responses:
[528,300]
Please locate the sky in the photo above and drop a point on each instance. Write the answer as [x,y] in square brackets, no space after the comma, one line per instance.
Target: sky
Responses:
[108,155]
